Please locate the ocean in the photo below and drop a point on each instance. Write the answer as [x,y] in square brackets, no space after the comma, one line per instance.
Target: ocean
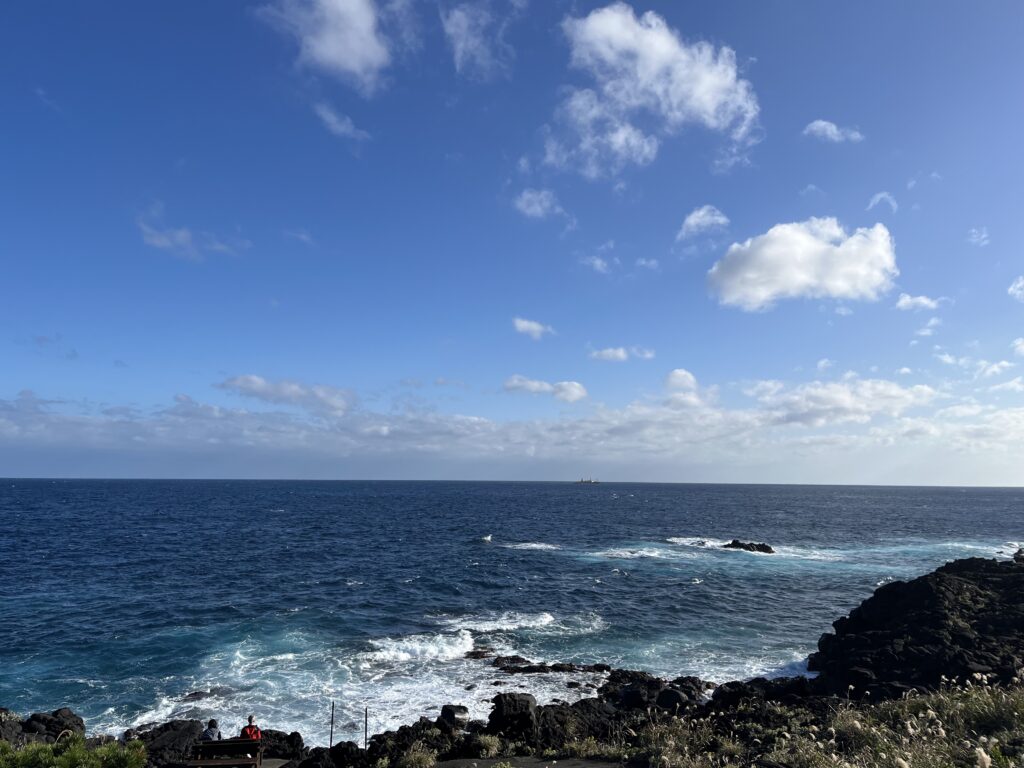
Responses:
[136,602]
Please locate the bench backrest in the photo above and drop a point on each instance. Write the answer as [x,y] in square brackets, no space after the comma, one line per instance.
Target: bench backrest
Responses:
[228,748]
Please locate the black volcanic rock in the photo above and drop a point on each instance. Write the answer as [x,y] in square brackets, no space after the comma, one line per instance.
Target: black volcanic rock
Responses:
[514,716]
[966,617]
[749,546]
[170,743]
[279,745]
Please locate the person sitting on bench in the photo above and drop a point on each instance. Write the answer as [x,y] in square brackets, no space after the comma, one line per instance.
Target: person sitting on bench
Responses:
[212,732]
[252,731]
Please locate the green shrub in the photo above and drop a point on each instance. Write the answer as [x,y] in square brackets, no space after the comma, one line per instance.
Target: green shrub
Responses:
[490,746]
[72,753]
[418,756]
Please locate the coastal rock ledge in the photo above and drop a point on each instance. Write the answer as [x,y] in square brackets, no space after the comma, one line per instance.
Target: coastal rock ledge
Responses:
[964,620]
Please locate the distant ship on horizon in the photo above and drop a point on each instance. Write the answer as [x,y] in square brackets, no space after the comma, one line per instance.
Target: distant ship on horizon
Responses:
[587,480]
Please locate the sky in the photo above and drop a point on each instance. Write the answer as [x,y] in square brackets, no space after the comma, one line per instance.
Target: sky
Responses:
[769,242]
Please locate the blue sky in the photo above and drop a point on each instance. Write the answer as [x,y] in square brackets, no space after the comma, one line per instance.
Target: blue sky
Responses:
[768,242]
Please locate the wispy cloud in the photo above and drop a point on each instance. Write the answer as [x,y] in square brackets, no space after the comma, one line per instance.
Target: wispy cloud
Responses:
[539,204]
[476,35]
[183,242]
[883,197]
[621,354]
[978,236]
[906,302]
[1016,289]
[338,124]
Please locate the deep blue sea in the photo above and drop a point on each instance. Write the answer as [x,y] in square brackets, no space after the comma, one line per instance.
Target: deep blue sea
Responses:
[120,598]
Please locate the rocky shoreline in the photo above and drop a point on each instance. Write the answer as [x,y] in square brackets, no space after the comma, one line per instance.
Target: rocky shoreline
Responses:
[962,621]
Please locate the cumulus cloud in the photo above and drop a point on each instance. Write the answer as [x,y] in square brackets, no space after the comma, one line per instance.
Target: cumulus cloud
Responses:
[906,302]
[338,124]
[531,328]
[829,131]
[342,38]
[567,391]
[883,197]
[987,370]
[978,236]
[813,259]
[1018,346]
[845,431]
[824,364]
[681,379]
[476,38]
[644,73]
[538,204]
[315,398]
[707,218]
[853,400]
[1016,289]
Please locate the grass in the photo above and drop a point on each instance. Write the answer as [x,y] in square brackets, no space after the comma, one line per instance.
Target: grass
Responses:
[72,753]
[970,725]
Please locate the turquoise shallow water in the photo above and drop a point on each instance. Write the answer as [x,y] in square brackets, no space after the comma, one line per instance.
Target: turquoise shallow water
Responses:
[120,598]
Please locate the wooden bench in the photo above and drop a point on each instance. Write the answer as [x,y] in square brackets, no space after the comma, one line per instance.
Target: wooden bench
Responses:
[227,753]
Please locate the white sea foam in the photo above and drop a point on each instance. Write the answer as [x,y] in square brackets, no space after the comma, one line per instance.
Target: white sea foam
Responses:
[508,621]
[532,545]
[421,647]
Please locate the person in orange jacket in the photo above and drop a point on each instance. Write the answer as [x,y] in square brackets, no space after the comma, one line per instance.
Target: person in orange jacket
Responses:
[252,731]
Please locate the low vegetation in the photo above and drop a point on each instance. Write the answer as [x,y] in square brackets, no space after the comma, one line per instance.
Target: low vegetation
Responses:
[72,752]
[971,725]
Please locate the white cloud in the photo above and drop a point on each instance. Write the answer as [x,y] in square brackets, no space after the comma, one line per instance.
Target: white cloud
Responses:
[621,354]
[477,41]
[644,71]
[829,131]
[987,370]
[978,236]
[929,328]
[612,354]
[682,380]
[1016,289]
[182,241]
[531,328]
[338,124]
[340,37]
[851,400]
[707,218]
[811,189]
[883,197]
[824,364]
[844,311]
[597,264]
[904,371]
[567,391]
[538,204]
[652,264]
[317,398]
[907,302]
[1018,346]
[1015,384]
[814,259]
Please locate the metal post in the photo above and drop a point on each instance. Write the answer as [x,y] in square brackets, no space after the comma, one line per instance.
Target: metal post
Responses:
[366,725]
[331,742]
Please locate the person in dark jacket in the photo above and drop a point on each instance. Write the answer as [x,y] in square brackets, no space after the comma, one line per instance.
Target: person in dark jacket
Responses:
[252,731]
[212,732]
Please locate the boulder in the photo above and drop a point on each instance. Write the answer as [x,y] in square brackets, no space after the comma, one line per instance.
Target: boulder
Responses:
[749,546]
[514,717]
[278,745]
[170,743]
[48,726]
[455,715]
[631,690]
[344,754]
[320,757]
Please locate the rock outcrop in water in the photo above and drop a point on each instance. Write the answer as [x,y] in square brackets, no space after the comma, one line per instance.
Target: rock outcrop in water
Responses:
[966,617]
[963,619]
[750,546]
